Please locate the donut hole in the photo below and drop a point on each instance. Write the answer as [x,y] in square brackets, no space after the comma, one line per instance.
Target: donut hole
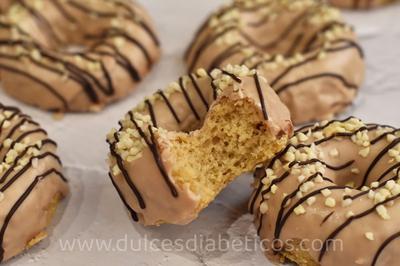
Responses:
[233,140]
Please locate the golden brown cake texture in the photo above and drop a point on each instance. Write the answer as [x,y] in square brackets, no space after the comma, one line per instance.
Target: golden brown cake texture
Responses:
[69,55]
[309,55]
[359,4]
[180,147]
[31,182]
[331,196]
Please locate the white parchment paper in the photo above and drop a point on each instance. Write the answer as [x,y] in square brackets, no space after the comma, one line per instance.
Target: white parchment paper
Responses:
[92,226]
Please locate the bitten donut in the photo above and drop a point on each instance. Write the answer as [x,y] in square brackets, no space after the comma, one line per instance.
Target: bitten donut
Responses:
[309,55]
[68,55]
[331,197]
[179,148]
[31,182]
[359,4]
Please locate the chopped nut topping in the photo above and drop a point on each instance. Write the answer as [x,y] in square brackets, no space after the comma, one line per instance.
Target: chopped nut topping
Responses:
[311,200]
[264,207]
[364,152]
[299,210]
[347,202]
[326,192]
[349,214]
[382,212]
[369,236]
[334,153]
[355,171]
[274,188]
[330,202]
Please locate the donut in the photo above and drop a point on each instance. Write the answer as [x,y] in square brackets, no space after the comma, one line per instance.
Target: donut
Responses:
[31,182]
[331,196]
[181,146]
[309,55]
[75,56]
[359,4]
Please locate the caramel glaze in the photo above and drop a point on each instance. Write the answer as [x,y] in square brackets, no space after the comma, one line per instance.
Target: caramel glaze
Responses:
[308,54]
[359,4]
[145,183]
[356,165]
[75,56]
[30,180]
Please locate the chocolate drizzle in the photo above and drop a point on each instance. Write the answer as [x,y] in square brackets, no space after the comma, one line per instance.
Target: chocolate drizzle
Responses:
[170,107]
[128,207]
[160,165]
[283,35]
[317,76]
[387,241]
[327,217]
[281,222]
[261,96]
[156,155]
[125,174]
[377,159]
[151,111]
[350,44]
[198,90]
[188,100]
[52,90]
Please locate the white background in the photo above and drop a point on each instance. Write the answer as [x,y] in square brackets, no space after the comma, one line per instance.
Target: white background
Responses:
[93,211]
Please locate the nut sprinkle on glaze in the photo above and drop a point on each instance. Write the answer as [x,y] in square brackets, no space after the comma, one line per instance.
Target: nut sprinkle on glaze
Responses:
[77,56]
[31,182]
[181,146]
[303,47]
[347,198]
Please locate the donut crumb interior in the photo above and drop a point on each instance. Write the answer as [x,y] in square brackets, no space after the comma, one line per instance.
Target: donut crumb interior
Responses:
[233,140]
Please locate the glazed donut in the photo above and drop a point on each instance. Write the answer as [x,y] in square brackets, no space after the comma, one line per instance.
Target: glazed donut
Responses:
[308,54]
[68,55]
[336,184]
[31,182]
[179,148]
[359,4]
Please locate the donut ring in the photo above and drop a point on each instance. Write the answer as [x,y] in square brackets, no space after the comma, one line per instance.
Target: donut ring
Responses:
[338,181]
[359,4]
[31,182]
[308,54]
[166,171]
[73,55]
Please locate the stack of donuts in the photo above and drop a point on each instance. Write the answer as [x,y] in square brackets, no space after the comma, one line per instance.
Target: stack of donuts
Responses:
[255,70]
